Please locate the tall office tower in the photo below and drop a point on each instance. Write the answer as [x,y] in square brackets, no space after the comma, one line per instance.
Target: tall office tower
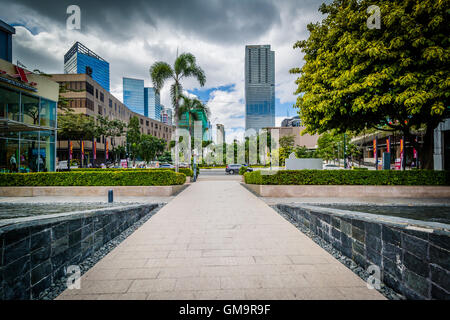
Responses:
[259,87]
[133,95]
[152,103]
[79,59]
[220,133]
[6,32]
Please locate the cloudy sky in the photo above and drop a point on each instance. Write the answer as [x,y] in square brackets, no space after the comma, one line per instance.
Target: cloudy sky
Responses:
[131,35]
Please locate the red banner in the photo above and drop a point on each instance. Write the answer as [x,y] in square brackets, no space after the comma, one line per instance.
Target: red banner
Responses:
[375,149]
[388,145]
[106,150]
[82,149]
[71,150]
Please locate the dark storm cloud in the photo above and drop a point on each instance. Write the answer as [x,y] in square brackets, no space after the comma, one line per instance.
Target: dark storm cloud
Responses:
[212,20]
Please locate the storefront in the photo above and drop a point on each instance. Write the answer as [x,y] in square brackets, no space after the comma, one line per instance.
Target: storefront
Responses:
[28,122]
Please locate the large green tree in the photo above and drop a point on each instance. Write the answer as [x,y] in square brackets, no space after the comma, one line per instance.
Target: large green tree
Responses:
[133,137]
[394,78]
[150,147]
[185,66]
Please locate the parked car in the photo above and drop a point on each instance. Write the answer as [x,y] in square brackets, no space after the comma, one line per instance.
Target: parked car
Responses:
[166,165]
[183,165]
[62,166]
[234,168]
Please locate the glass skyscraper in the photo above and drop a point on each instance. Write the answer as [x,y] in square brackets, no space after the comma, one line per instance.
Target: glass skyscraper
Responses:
[259,87]
[152,103]
[79,59]
[133,95]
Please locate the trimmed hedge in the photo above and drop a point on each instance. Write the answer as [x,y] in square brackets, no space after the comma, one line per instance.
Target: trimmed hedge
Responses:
[94,178]
[350,177]
[186,171]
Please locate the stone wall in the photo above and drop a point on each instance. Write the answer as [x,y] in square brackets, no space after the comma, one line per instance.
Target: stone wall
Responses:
[35,252]
[414,261]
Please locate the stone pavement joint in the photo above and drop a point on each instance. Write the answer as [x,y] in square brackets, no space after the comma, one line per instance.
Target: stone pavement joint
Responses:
[216,240]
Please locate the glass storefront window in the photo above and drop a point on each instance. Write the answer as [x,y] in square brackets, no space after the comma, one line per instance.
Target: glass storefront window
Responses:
[29,135]
[30,109]
[47,113]
[29,156]
[9,155]
[9,104]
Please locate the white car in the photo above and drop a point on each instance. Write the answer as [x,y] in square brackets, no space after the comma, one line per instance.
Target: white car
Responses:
[62,165]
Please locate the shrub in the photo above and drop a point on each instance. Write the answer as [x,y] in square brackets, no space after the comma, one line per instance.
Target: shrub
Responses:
[185,171]
[94,178]
[242,170]
[350,177]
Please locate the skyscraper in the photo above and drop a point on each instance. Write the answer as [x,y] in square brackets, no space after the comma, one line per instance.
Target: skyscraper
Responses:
[152,103]
[259,87]
[79,59]
[133,95]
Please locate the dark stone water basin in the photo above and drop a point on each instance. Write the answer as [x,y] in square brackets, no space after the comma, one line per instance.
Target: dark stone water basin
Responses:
[431,213]
[20,210]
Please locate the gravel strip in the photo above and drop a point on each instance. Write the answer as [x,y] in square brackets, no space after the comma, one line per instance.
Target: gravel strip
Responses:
[349,263]
[58,286]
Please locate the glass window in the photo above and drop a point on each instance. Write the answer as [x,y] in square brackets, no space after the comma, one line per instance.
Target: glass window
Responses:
[29,135]
[47,113]
[9,155]
[28,161]
[9,104]
[30,109]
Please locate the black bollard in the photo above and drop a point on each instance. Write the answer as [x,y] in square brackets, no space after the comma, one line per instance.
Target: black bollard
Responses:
[110,196]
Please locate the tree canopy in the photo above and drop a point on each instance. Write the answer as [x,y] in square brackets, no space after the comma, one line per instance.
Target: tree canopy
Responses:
[395,78]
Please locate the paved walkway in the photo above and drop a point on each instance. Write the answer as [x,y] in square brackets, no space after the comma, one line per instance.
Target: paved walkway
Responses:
[216,240]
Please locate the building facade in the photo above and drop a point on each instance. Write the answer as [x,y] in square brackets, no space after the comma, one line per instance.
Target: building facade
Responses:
[166,115]
[28,120]
[152,103]
[307,140]
[259,87]
[441,154]
[79,59]
[6,32]
[92,99]
[133,95]
[187,122]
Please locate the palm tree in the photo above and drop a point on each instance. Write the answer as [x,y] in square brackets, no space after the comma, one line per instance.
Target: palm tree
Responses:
[184,66]
[192,108]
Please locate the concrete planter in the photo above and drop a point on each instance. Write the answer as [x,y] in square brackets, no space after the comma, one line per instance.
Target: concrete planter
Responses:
[346,191]
[137,191]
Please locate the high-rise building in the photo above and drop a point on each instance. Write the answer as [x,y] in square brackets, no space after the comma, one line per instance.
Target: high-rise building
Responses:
[259,87]
[166,115]
[79,59]
[291,122]
[133,95]
[220,133]
[152,103]
[6,32]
